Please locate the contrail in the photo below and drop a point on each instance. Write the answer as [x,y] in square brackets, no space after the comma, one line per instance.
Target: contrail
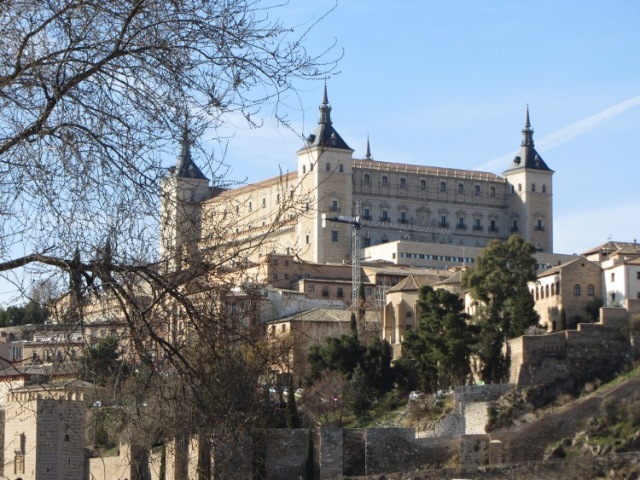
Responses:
[568,133]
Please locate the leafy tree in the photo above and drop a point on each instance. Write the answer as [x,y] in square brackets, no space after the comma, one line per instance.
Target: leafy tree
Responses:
[441,346]
[592,309]
[101,361]
[341,354]
[505,308]
[293,419]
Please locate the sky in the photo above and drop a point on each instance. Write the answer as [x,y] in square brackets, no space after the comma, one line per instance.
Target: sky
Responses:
[447,83]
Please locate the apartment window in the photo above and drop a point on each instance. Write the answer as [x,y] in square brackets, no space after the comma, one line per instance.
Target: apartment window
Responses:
[340,168]
[325,291]
[304,169]
[385,216]
[544,189]
[493,227]
[460,222]
[476,224]
[366,215]
[460,188]
[334,205]
[443,221]
[403,182]
[385,180]
[366,178]
[613,277]
[307,239]
[443,186]
[334,235]
[328,167]
[533,187]
[576,290]
[340,293]
[310,288]
[423,184]
[591,291]
[403,217]
[476,190]
[492,191]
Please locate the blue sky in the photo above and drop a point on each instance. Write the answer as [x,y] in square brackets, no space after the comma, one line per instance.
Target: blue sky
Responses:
[447,83]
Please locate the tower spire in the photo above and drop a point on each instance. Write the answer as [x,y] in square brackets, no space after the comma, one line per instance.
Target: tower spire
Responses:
[527,131]
[186,167]
[368,154]
[325,108]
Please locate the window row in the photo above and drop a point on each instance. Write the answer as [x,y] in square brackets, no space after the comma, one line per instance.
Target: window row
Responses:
[533,188]
[426,256]
[402,183]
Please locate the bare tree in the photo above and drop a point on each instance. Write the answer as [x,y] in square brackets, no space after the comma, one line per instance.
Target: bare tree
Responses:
[94,98]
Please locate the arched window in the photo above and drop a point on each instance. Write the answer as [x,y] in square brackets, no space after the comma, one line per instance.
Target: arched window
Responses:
[403,182]
[576,290]
[443,186]
[553,289]
[546,290]
[341,168]
[476,189]
[366,178]
[557,288]
[544,189]
[385,180]
[519,187]
[591,291]
[492,191]
[460,188]
[423,184]
[537,293]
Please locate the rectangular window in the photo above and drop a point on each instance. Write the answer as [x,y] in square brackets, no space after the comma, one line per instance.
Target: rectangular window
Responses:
[613,277]
[307,239]
[638,275]
[385,216]
[325,291]
[366,215]
[328,167]
[334,205]
[340,292]
[310,288]
[334,235]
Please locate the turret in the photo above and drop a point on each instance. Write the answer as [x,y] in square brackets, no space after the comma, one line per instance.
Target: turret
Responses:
[531,193]
[183,190]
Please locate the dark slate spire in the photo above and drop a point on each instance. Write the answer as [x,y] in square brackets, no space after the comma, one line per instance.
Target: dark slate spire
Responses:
[186,167]
[528,157]
[527,132]
[368,155]
[325,135]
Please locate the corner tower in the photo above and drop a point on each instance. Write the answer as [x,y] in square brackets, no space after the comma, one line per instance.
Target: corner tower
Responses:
[325,177]
[183,191]
[531,194]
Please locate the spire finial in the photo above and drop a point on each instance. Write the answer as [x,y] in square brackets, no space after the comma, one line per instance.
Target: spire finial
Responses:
[368,155]
[325,108]
[527,131]
[185,144]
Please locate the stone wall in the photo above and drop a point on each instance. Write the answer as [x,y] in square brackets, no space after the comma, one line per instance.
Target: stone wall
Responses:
[591,350]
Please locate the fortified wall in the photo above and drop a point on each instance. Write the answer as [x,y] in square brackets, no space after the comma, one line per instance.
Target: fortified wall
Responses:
[593,349]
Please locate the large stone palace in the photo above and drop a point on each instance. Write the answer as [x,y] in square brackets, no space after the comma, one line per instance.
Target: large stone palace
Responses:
[392,201]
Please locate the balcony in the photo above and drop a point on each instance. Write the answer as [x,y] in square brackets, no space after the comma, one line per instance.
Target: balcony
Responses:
[461,226]
[334,208]
[478,228]
[539,228]
[443,225]
[493,229]
[514,228]
[384,219]
[402,220]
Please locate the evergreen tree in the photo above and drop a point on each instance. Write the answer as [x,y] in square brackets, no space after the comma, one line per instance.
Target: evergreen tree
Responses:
[499,285]
[441,346]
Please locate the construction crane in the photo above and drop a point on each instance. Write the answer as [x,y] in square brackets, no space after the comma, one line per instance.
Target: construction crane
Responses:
[355,251]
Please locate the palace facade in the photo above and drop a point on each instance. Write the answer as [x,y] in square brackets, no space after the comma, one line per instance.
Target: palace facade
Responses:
[391,201]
